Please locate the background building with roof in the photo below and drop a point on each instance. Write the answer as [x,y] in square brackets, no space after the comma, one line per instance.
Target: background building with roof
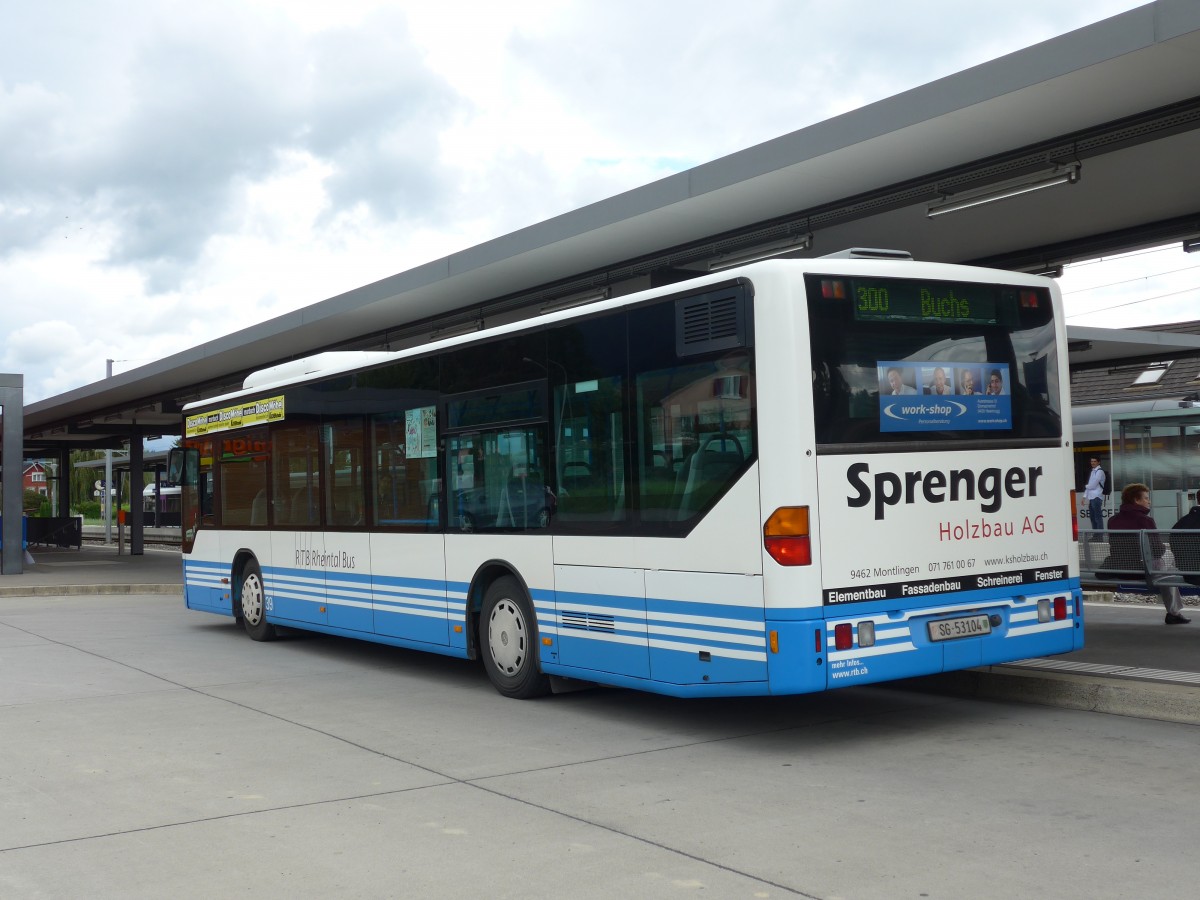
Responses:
[1140,415]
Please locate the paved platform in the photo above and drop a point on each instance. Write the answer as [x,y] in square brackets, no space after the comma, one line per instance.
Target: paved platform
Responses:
[152,752]
[1132,664]
[95,569]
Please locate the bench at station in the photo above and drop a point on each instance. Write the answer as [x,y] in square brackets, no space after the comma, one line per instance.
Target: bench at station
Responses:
[1140,560]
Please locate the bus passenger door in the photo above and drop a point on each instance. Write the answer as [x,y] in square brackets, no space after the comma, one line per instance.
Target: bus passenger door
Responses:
[407,548]
[296,582]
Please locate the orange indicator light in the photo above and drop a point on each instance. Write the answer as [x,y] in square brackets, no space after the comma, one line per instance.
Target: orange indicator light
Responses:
[785,536]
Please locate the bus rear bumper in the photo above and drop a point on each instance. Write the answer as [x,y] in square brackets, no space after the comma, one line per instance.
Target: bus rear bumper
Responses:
[928,642]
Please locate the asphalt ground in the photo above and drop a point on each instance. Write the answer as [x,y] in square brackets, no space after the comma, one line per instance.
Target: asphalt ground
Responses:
[1132,663]
[148,751]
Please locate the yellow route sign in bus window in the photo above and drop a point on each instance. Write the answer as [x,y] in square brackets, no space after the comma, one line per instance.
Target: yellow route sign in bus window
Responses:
[256,412]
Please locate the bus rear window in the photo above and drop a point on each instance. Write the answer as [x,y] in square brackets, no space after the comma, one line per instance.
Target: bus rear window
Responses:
[909,359]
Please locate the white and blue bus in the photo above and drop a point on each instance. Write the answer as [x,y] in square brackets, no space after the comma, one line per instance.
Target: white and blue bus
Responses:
[800,475]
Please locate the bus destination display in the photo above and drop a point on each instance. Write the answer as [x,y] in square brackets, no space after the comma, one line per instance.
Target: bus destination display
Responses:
[894,300]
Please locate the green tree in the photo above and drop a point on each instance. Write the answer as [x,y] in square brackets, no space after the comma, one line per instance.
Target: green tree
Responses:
[83,481]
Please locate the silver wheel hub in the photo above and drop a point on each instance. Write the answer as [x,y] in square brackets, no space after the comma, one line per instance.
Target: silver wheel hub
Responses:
[508,637]
[252,599]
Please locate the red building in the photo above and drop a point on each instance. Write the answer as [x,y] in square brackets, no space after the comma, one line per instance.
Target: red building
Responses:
[34,478]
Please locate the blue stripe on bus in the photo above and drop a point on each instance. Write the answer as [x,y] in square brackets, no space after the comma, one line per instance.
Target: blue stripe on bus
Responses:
[672,646]
[673,618]
[752,615]
[671,641]
[205,587]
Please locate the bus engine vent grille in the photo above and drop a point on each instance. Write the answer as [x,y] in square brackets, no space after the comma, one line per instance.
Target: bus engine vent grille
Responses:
[711,321]
[588,621]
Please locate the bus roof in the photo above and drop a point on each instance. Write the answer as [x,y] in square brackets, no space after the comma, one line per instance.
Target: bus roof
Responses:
[853,261]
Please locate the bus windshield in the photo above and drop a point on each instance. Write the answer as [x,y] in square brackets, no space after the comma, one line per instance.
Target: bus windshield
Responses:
[899,360]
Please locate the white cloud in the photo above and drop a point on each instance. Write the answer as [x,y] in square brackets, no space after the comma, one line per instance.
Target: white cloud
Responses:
[174,171]
[1129,290]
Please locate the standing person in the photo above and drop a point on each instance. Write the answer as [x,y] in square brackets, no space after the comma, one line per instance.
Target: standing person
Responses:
[1134,515]
[1094,494]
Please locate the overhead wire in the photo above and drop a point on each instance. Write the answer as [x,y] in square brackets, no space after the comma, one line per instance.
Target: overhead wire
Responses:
[1133,302]
[1130,255]
[1173,247]
[1131,280]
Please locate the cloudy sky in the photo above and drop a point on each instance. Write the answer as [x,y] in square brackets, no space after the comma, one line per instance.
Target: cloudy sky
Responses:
[173,171]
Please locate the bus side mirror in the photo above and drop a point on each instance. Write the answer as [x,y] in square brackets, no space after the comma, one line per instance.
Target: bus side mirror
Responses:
[183,466]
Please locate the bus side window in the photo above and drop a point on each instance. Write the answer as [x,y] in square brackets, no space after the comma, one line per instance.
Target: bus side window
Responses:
[206,496]
[497,480]
[243,462]
[345,489]
[590,456]
[586,370]
[404,454]
[695,434]
[190,467]
[295,489]
[707,470]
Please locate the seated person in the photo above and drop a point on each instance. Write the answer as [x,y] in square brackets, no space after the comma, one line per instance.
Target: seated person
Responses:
[1134,515]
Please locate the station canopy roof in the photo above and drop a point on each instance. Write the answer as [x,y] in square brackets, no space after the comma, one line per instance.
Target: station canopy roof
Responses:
[1090,347]
[1110,111]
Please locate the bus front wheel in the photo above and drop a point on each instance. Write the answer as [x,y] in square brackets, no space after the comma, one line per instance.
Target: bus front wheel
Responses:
[252,602]
[508,635]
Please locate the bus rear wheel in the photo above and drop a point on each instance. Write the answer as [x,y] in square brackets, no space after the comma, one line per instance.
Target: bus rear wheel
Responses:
[252,604]
[508,635]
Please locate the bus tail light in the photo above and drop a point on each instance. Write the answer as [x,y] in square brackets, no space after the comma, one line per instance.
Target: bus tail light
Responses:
[1052,610]
[843,637]
[1074,518]
[786,538]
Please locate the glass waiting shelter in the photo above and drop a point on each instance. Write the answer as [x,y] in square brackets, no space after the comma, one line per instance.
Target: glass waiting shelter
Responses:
[1160,449]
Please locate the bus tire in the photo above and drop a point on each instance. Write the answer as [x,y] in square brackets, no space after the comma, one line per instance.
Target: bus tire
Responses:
[509,640]
[252,604]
